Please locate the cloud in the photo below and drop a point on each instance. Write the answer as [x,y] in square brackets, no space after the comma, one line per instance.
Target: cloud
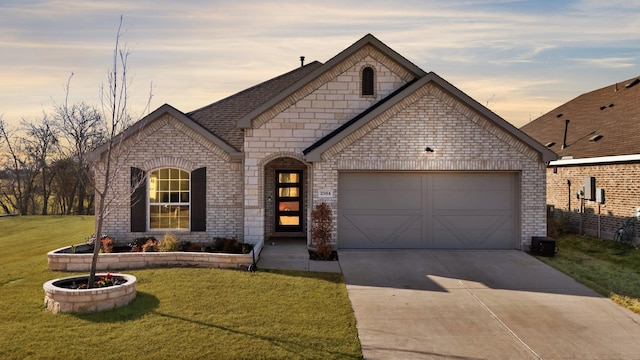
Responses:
[612,62]
[528,53]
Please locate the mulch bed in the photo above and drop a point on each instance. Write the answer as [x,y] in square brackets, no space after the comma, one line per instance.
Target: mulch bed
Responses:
[314,256]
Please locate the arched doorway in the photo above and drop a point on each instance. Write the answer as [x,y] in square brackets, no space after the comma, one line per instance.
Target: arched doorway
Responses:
[285,197]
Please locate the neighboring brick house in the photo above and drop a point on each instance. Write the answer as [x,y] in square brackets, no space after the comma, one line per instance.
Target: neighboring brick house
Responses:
[602,144]
[403,158]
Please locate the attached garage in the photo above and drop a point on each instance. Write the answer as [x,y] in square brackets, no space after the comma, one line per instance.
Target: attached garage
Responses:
[429,210]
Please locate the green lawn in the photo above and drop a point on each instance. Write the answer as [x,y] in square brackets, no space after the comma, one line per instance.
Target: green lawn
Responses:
[610,268]
[184,313]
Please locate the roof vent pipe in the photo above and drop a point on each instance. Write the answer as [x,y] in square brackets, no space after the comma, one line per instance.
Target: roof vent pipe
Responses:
[566,127]
[301,61]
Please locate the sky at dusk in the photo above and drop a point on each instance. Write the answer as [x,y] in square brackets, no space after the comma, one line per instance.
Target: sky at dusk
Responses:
[521,59]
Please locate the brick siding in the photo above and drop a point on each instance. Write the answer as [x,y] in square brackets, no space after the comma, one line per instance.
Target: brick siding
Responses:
[322,106]
[395,140]
[167,142]
[620,185]
[463,141]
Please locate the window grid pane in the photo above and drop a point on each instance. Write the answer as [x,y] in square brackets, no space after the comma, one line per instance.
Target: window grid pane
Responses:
[169,196]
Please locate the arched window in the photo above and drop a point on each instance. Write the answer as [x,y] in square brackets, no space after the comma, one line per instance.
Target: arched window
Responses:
[169,199]
[367,81]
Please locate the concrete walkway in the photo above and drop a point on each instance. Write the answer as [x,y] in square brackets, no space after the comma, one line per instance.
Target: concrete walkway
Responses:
[292,254]
[480,305]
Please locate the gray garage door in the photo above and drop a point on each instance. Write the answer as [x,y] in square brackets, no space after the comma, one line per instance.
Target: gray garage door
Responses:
[428,210]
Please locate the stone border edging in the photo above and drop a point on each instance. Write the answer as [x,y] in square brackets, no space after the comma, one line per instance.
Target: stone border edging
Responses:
[57,299]
[139,260]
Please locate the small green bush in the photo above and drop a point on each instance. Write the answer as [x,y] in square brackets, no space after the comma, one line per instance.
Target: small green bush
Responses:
[169,243]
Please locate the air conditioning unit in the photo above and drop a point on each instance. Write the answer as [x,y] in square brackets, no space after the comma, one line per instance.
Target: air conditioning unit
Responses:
[543,246]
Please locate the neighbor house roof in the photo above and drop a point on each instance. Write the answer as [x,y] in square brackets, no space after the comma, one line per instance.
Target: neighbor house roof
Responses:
[222,116]
[602,123]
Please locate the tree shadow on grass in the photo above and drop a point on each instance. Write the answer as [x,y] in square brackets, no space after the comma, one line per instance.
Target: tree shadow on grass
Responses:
[337,278]
[290,346]
[143,304]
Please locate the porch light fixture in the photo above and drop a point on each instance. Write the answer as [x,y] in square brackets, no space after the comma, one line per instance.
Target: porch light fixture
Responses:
[429,149]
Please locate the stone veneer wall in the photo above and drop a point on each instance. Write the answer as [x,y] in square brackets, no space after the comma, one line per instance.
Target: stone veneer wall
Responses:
[167,142]
[462,139]
[311,113]
[620,184]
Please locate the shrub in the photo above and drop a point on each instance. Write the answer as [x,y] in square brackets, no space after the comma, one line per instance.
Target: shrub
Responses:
[227,245]
[137,244]
[557,223]
[169,243]
[321,227]
[150,246]
[184,245]
[106,244]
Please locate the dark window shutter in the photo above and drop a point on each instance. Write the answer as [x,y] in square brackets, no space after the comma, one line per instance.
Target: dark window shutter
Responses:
[138,200]
[367,81]
[199,199]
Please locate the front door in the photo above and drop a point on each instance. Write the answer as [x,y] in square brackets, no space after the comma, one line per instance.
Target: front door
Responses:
[289,200]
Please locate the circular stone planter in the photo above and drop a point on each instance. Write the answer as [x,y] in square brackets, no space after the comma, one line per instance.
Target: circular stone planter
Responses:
[60,299]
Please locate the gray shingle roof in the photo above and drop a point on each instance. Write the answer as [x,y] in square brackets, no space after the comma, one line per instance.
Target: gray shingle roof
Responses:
[612,112]
[222,116]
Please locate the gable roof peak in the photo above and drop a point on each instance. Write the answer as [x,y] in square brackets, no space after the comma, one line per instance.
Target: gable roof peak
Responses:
[246,121]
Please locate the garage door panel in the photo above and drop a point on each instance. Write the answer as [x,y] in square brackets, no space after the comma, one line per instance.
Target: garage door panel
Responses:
[472,221]
[472,182]
[381,230]
[384,182]
[446,210]
[472,200]
[389,200]
[473,231]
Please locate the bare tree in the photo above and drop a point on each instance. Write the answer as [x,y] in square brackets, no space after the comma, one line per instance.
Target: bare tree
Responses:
[17,189]
[40,143]
[81,127]
[64,185]
[121,138]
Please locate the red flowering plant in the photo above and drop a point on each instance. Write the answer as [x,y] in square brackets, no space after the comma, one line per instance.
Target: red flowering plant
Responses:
[103,281]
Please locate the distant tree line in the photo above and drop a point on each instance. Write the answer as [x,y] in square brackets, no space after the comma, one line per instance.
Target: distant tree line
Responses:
[43,163]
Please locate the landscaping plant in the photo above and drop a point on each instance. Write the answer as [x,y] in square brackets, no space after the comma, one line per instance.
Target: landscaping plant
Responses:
[169,243]
[321,228]
[178,313]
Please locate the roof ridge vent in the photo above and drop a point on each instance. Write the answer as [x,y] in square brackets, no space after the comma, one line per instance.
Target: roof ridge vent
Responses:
[633,83]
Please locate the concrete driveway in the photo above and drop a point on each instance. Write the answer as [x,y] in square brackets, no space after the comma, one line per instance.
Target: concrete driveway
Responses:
[480,305]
